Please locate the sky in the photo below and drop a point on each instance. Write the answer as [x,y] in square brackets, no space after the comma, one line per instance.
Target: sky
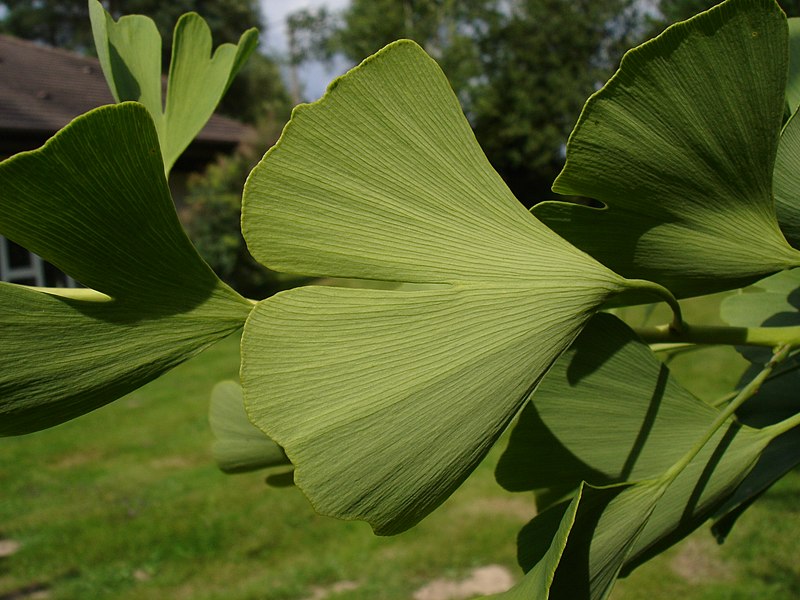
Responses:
[314,76]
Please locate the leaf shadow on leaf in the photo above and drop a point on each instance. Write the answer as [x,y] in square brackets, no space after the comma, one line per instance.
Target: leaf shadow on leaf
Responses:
[661,146]
[532,539]
[586,361]
[611,236]
[528,542]
[124,79]
[126,311]
[100,210]
[693,515]
[533,446]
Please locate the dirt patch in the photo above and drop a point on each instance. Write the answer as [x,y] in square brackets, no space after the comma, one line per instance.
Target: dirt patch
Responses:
[491,579]
[79,459]
[522,510]
[321,593]
[9,547]
[699,561]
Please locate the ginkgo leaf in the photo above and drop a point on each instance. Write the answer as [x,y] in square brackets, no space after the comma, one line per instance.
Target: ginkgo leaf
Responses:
[240,446]
[612,376]
[130,56]
[786,181]
[97,190]
[618,527]
[679,145]
[385,400]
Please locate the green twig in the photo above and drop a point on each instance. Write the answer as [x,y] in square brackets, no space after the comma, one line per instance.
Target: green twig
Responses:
[744,394]
[713,334]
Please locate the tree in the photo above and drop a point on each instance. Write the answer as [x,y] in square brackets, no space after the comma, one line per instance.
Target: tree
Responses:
[521,69]
[211,214]
[65,23]
[540,63]
[678,10]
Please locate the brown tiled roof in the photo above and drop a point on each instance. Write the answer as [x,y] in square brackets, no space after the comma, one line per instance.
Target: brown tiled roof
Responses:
[43,88]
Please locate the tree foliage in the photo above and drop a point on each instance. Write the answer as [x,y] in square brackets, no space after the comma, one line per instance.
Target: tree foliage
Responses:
[521,69]
[211,213]
[678,10]
[539,65]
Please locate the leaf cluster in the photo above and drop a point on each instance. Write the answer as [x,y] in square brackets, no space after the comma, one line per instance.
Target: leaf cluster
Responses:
[463,313]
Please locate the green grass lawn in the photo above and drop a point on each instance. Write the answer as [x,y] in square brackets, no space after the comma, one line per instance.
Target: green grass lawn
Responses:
[126,503]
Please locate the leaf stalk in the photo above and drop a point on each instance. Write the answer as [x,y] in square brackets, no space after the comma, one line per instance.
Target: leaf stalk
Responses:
[718,335]
[747,392]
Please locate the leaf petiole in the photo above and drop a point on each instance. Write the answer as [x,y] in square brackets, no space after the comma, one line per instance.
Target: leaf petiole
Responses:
[718,334]
[744,394]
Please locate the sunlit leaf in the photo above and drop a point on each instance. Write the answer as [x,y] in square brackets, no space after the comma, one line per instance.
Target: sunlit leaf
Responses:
[94,202]
[385,400]
[240,446]
[608,376]
[130,55]
[679,145]
[608,413]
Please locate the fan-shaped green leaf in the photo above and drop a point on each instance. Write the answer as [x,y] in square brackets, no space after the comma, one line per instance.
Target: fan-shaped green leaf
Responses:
[680,145]
[611,377]
[130,55]
[97,189]
[385,400]
[240,446]
[617,528]
[546,547]
[563,436]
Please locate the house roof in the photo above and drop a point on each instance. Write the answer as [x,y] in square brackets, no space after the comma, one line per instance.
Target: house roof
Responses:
[44,88]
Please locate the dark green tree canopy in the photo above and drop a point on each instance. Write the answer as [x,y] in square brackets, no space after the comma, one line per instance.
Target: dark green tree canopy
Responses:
[678,10]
